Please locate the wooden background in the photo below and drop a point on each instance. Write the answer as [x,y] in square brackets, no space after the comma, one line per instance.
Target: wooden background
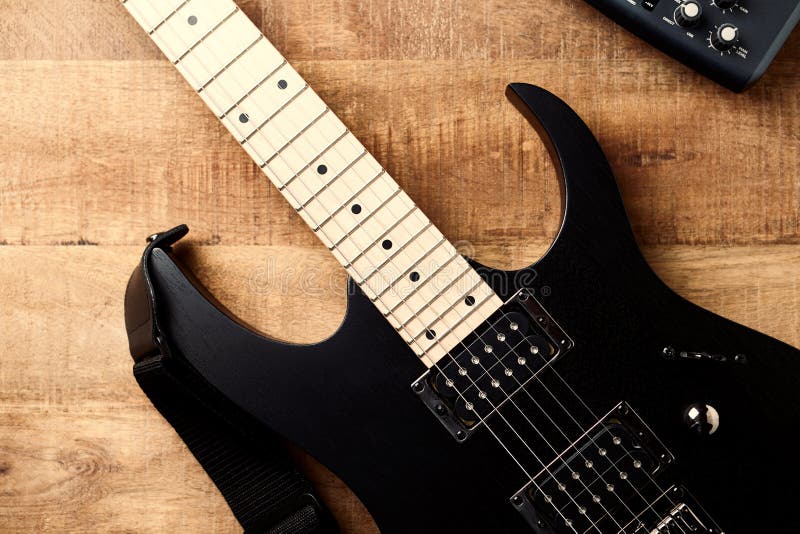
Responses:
[102,143]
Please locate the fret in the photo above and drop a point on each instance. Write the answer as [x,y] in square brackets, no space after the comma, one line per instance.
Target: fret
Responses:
[355,223]
[151,14]
[308,184]
[255,87]
[358,257]
[402,278]
[330,190]
[258,128]
[257,108]
[324,151]
[383,268]
[437,287]
[352,199]
[318,202]
[230,63]
[423,280]
[413,275]
[444,318]
[390,264]
[438,319]
[219,50]
[297,136]
[451,329]
[318,189]
[180,3]
[311,142]
[443,295]
[178,36]
[361,238]
[265,142]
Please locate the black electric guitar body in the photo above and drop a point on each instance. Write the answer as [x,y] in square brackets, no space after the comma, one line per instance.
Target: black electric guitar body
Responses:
[628,409]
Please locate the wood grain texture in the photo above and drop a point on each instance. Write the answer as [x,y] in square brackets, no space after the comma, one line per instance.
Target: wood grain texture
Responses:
[102,143]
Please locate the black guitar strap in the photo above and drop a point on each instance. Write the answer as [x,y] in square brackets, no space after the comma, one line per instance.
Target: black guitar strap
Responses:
[262,486]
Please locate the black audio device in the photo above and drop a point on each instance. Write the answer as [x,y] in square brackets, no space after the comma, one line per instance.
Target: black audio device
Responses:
[730,41]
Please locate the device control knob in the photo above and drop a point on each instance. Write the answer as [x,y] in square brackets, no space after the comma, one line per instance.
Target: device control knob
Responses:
[725,4]
[726,37]
[688,13]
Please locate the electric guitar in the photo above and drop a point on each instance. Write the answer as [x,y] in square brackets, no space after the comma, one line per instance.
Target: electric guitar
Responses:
[578,395]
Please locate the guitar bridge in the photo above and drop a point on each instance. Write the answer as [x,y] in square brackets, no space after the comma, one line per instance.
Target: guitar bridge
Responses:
[675,511]
[492,365]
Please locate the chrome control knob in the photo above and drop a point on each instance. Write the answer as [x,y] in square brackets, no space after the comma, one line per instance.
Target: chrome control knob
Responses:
[725,38]
[688,13]
[702,419]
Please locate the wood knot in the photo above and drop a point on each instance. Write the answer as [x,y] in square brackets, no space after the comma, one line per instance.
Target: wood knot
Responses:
[87,460]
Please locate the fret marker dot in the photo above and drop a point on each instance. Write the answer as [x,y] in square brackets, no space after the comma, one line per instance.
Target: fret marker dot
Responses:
[414,276]
[283,84]
[356,208]
[244,118]
[322,169]
[192,20]
[469,301]
[430,334]
[387,244]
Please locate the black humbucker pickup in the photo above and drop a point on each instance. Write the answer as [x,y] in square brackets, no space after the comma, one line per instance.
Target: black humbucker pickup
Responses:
[492,365]
[614,463]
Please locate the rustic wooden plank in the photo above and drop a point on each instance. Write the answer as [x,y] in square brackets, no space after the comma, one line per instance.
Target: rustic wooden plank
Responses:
[108,151]
[81,448]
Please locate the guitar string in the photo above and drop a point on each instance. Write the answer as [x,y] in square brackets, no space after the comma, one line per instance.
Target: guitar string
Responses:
[485,423]
[508,396]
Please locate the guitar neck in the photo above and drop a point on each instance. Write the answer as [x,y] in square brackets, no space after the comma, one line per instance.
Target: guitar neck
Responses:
[401,261]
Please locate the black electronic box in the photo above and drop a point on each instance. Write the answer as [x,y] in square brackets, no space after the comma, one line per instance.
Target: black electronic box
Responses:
[730,41]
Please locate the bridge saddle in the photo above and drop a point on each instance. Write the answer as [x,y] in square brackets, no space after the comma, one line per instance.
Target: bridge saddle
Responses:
[675,511]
